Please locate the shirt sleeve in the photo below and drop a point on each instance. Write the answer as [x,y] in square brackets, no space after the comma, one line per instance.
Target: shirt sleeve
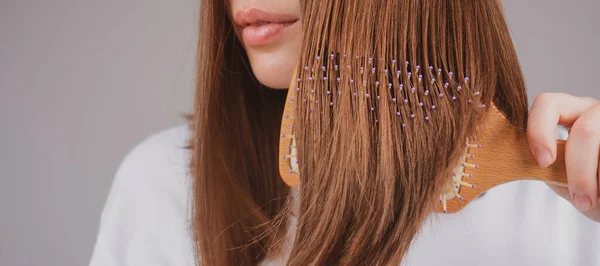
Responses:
[145,220]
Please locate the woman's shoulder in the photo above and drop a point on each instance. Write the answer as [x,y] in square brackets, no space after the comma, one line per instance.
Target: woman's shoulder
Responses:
[145,219]
[158,157]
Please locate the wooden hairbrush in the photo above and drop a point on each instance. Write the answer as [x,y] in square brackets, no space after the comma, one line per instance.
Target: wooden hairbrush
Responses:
[499,155]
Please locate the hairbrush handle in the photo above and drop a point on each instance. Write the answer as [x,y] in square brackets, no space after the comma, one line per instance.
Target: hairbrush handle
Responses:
[506,155]
[501,154]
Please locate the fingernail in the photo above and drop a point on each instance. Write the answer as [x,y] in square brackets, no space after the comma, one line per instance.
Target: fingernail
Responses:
[582,202]
[543,157]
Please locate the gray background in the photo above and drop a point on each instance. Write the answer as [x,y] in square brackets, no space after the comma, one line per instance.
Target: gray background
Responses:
[82,81]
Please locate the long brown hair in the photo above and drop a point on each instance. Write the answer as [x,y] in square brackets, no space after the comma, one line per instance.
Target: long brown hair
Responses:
[366,185]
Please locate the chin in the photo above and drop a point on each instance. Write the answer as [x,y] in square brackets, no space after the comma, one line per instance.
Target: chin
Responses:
[273,72]
[274,67]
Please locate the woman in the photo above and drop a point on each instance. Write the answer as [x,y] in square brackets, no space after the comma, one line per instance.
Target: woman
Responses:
[241,213]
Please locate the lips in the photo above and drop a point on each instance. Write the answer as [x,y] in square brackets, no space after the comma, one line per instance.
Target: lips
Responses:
[260,27]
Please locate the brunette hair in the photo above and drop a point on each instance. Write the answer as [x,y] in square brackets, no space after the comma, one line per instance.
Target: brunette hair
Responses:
[367,181]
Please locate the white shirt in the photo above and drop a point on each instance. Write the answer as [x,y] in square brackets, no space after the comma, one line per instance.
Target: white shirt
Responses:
[147,214]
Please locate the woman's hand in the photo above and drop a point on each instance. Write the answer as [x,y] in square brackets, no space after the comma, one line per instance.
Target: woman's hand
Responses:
[582,151]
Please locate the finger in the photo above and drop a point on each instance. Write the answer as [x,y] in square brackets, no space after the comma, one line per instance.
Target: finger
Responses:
[593,214]
[548,111]
[582,154]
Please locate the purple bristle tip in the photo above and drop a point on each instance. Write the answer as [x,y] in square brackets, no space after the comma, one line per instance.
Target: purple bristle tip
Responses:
[367,95]
[331,103]
[441,95]
[454,98]
[412,116]
[393,99]
[397,113]
[328,92]
[372,109]
[433,107]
